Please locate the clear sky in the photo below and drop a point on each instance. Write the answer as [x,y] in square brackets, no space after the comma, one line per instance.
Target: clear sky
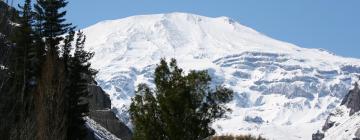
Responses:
[330,24]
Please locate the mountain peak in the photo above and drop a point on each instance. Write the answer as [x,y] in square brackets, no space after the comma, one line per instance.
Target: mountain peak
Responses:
[183,34]
[288,87]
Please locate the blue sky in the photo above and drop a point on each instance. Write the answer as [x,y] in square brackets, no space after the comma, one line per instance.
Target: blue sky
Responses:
[330,24]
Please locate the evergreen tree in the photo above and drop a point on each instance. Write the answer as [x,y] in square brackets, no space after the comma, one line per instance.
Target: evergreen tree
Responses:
[66,48]
[69,71]
[27,37]
[79,75]
[39,51]
[24,42]
[22,71]
[45,94]
[181,106]
[52,23]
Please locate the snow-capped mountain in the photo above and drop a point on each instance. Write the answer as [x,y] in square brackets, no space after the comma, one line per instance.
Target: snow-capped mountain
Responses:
[282,91]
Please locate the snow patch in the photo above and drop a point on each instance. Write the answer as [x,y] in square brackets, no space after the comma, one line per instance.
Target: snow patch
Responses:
[99,132]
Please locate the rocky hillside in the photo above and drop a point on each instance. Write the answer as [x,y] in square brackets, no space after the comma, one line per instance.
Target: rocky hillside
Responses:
[344,121]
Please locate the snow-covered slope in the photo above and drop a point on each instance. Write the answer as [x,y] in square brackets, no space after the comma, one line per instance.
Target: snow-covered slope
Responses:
[345,126]
[99,132]
[282,91]
[344,122]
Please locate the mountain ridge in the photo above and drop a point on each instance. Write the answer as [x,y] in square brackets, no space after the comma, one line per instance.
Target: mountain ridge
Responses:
[285,86]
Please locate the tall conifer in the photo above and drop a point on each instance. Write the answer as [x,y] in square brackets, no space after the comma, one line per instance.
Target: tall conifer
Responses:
[79,75]
[24,42]
[53,26]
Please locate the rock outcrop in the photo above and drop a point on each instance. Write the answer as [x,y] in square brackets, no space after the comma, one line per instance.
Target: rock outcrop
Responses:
[98,132]
[343,122]
[100,112]
[98,99]
[328,123]
[352,100]
[318,136]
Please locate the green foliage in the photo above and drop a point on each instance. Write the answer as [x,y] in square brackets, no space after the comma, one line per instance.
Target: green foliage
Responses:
[181,107]
[79,72]
[24,37]
[45,94]
[51,22]
[66,48]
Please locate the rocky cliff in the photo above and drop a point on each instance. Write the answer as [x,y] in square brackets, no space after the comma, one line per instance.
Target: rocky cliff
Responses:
[352,100]
[344,121]
[100,112]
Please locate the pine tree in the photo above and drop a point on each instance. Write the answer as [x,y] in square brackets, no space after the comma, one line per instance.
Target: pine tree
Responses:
[46,93]
[52,22]
[79,75]
[66,48]
[36,53]
[61,83]
[22,71]
[24,42]
[181,106]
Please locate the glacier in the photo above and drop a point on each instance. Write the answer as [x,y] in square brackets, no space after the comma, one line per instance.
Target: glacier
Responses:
[282,91]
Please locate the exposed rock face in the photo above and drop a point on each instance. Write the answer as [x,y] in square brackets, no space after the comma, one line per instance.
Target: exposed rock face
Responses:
[108,120]
[255,119]
[99,105]
[98,100]
[352,100]
[318,136]
[342,123]
[98,132]
[357,134]
[7,16]
[328,123]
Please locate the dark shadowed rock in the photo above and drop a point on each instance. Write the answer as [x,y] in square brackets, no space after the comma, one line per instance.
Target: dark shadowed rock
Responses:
[318,136]
[99,106]
[328,123]
[352,100]
[256,119]
[98,99]
[357,134]
[108,120]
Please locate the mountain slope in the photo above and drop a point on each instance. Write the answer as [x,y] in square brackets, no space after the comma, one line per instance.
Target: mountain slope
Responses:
[280,88]
[344,122]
